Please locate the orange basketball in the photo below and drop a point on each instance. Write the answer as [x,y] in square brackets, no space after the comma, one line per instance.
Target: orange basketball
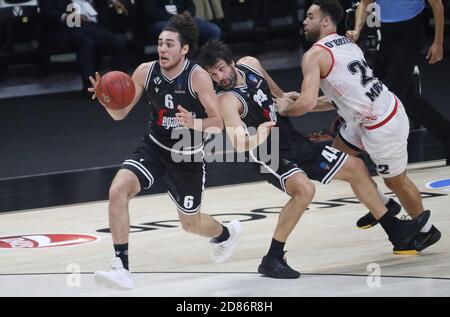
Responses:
[116,90]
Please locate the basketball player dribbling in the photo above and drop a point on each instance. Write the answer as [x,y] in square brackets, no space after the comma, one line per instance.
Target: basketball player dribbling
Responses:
[245,92]
[181,97]
[375,119]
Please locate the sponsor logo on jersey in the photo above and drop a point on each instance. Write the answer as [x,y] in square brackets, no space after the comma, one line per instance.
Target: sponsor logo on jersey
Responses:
[38,241]
[443,184]
[157,80]
[324,166]
[252,78]
[169,122]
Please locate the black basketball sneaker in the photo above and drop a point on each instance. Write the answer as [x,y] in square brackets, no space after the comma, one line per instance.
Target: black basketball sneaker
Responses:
[277,267]
[368,220]
[421,241]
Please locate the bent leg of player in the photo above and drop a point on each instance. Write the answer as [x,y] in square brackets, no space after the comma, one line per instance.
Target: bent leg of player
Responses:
[185,181]
[391,158]
[302,191]
[291,179]
[125,186]
[138,172]
[349,141]
[330,163]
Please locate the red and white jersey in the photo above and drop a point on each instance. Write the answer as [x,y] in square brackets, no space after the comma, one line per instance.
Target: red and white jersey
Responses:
[349,83]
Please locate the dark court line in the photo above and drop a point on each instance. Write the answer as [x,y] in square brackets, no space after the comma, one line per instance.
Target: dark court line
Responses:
[184,272]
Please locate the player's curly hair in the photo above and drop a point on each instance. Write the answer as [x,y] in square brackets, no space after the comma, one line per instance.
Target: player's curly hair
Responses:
[187,29]
[212,52]
[332,8]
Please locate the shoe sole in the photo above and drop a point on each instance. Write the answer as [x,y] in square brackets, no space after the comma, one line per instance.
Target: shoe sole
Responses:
[105,282]
[407,252]
[268,274]
[225,259]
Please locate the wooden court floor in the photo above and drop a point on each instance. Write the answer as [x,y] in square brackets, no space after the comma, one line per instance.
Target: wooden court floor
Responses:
[334,257]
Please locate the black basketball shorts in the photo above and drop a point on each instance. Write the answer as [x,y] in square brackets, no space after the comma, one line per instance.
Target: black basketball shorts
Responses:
[321,164]
[185,180]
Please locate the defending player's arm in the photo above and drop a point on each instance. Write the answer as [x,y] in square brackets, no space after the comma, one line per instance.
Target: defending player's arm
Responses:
[436,51]
[275,90]
[324,104]
[307,101]
[138,77]
[229,107]
[203,86]
[360,20]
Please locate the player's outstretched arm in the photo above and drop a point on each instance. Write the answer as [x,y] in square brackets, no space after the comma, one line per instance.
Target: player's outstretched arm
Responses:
[307,100]
[324,104]
[275,90]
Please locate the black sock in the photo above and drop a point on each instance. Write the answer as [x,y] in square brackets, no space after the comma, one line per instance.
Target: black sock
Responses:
[223,236]
[121,251]
[389,224]
[276,248]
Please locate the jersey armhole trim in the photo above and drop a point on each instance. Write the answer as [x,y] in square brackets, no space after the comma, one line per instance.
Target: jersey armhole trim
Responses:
[149,74]
[191,89]
[251,69]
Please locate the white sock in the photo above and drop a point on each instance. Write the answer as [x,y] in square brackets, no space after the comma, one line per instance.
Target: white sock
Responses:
[383,197]
[427,226]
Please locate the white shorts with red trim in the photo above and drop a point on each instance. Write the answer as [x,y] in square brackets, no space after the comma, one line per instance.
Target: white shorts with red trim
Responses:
[386,144]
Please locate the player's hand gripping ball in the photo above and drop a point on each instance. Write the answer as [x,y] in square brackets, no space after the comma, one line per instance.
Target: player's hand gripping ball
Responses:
[115,90]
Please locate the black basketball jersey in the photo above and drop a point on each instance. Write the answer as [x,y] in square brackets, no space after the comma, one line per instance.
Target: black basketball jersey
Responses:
[165,94]
[257,101]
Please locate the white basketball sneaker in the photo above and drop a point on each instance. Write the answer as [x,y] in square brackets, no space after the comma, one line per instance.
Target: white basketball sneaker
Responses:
[118,278]
[222,251]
